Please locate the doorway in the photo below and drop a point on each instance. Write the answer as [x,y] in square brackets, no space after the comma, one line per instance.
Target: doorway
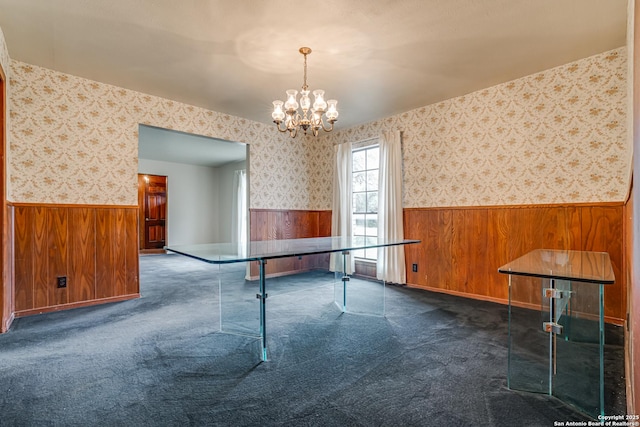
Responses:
[201,179]
[152,208]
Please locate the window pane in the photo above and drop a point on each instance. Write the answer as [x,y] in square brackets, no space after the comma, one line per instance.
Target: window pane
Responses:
[359,160]
[365,198]
[373,155]
[372,202]
[372,225]
[358,225]
[371,253]
[359,181]
[359,202]
[372,180]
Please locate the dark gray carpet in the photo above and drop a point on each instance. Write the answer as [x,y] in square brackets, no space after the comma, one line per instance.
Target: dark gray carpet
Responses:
[433,360]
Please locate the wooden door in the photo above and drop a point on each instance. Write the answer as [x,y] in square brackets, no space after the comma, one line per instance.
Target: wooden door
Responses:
[153,211]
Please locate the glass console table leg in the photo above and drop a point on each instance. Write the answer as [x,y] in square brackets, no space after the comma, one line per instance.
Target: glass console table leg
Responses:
[601,344]
[345,279]
[510,340]
[262,296]
[552,340]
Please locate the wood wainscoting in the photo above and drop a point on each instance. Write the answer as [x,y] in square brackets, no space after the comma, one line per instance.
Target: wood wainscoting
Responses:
[462,248]
[279,224]
[8,278]
[94,247]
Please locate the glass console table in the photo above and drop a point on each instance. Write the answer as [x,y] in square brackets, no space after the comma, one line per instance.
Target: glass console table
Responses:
[560,349]
[262,251]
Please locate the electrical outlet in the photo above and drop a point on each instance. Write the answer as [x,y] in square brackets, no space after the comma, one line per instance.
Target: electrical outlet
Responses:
[414,268]
[62,281]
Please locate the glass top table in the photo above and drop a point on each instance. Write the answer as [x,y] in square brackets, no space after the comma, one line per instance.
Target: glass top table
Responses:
[578,266]
[560,349]
[264,250]
[221,253]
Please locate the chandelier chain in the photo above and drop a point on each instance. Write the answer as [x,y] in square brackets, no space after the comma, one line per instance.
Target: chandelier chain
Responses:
[304,86]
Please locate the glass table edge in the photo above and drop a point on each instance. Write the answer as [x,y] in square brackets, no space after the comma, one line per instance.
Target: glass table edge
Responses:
[292,254]
[558,276]
[211,261]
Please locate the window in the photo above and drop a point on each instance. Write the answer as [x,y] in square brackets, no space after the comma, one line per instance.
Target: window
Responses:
[365,198]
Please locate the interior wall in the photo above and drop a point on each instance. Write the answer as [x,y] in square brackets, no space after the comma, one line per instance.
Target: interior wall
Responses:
[558,136]
[193,209]
[76,142]
[461,249]
[94,247]
[73,142]
[226,199]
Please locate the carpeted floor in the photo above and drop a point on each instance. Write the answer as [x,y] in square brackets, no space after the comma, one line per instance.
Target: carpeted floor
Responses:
[433,360]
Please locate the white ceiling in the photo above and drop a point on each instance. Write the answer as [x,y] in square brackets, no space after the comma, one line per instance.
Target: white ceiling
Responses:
[376,57]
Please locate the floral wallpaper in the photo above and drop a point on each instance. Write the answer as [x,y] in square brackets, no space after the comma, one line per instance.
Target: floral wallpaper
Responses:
[75,141]
[558,136]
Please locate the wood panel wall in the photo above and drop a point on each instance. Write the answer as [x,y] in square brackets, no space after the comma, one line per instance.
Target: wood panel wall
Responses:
[95,247]
[462,248]
[7,270]
[269,224]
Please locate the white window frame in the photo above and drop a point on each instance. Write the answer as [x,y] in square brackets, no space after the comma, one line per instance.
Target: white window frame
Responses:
[368,255]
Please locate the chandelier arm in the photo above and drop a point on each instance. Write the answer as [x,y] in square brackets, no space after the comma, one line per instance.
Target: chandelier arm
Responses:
[278,126]
[324,128]
[295,120]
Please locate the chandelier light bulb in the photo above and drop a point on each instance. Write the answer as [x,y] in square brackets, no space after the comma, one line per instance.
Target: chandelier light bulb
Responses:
[278,114]
[332,112]
[305,101]
[291,103]
[311,118]
[320,104]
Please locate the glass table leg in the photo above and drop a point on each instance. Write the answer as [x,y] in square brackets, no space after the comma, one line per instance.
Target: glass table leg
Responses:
[345,279]
[601,345]
[262,296]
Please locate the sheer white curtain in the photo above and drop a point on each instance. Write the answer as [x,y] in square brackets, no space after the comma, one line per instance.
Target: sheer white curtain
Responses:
[239,215]
[390,266]
[342,211]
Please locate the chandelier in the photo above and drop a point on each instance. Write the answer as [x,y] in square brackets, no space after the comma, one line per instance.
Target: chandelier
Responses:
[311,119]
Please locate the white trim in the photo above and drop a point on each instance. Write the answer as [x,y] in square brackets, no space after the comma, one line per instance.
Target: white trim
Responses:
[364,143]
